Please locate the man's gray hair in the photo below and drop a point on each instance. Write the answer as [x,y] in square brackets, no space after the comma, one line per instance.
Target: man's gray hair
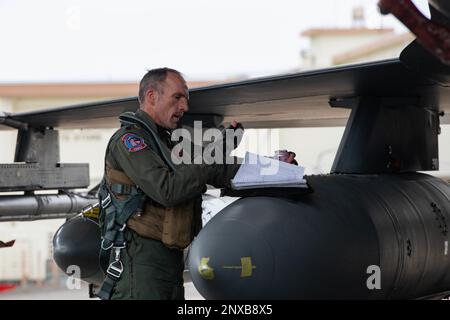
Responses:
[154,79]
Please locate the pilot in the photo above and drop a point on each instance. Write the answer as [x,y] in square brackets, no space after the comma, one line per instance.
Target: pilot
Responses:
[138,160]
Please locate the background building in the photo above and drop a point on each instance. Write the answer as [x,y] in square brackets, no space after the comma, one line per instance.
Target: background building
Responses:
[332,46]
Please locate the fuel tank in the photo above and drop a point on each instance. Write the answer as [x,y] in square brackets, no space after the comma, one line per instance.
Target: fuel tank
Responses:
[76,244]
[354,237]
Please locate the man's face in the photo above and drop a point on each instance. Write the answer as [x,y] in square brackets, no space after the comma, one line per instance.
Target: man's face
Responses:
[170,102]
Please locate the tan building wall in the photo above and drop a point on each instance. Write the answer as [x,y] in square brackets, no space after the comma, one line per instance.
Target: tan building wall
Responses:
[387,47]
[27,259]
[383,54]
[326,43]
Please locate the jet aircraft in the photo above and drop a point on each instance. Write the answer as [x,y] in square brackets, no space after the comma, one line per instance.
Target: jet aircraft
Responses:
[374,211]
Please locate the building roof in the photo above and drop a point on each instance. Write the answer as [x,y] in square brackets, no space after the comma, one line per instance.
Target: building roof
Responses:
[344,31]
[372,47]
[84,89]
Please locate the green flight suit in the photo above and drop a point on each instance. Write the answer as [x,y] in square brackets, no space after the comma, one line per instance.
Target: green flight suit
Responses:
[152,270]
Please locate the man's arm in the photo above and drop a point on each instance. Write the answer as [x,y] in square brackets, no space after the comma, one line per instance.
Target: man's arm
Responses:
[231,164]
[148,171]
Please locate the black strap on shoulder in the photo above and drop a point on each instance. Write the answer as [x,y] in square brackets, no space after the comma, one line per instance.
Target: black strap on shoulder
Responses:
[129,118]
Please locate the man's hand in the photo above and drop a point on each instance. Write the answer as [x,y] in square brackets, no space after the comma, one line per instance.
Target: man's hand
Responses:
[285,156]
[238,133]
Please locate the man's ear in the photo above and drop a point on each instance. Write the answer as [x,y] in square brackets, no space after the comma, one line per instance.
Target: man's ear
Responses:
[150,96]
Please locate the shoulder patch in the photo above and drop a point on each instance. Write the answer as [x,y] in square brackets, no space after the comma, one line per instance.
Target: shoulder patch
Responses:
[133,142]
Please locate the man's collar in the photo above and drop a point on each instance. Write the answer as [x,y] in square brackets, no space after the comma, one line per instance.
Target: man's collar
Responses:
[149,120]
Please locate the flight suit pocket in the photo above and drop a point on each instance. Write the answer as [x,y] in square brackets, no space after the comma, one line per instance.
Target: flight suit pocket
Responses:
[150,223]
[177,229]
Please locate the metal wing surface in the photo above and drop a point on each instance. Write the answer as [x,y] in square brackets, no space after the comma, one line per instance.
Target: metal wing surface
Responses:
[292,100]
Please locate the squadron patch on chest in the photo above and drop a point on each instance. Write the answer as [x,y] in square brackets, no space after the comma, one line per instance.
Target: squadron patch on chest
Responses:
[133,142]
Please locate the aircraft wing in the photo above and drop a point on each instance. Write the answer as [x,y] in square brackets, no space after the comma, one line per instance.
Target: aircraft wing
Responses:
[292,100]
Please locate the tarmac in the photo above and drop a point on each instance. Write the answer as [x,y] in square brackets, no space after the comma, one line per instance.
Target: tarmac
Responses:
[49,293]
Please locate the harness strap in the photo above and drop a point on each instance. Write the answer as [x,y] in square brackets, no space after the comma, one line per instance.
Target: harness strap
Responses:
[113,274]
[116,214]
[122,189]
[107,288]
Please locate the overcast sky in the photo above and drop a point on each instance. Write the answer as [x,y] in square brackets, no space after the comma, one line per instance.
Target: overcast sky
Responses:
[108,40]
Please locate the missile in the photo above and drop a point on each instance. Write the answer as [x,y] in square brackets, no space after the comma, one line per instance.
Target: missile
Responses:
[45,206]
[354,237]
